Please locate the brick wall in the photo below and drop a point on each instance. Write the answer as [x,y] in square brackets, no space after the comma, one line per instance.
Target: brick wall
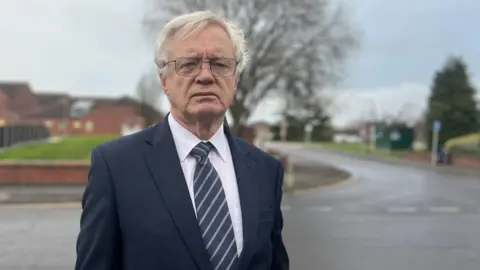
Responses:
[466,162]
[50,172]
[109,120]
[43,172]
[5,115]
[105,120]
[23,100]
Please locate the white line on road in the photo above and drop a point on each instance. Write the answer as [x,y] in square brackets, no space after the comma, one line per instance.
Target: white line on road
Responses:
[4,196]
[443,209]
[321,209]
[402,209]
[41,205]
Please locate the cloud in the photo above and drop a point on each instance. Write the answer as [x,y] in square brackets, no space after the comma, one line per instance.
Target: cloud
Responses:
[84,47]
[408,100]
[90,47]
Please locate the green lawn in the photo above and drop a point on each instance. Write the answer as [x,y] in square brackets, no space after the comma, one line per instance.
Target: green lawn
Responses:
[71,148]
[468,144]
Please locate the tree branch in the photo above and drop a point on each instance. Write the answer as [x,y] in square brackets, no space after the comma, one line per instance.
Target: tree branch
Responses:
[297,47]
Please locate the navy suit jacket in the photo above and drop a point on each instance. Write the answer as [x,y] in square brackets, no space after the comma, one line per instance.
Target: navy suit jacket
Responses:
[137,212]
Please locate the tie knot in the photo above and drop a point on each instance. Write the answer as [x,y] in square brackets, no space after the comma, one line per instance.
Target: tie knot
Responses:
[201,150]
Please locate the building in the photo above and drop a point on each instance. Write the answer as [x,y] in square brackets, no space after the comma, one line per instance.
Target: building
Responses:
[63,114]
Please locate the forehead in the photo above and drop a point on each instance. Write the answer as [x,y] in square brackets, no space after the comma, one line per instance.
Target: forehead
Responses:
[213,39]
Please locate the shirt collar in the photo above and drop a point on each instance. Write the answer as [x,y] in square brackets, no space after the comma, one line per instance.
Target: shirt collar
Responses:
[185,141]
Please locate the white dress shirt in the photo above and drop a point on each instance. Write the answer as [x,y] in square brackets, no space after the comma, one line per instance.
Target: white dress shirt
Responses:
[221,159]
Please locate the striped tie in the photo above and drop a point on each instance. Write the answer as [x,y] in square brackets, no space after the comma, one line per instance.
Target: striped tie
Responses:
[212,211]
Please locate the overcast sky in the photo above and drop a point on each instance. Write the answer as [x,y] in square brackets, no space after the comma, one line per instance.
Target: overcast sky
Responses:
[90,47]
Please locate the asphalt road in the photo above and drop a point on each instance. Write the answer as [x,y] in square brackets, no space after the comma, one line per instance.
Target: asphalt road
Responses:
[389,217]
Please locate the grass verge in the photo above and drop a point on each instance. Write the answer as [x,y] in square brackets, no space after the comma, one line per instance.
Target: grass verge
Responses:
[69,148]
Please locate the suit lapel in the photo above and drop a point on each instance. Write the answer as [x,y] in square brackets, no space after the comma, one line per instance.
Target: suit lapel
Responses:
[248,194]
[162,159]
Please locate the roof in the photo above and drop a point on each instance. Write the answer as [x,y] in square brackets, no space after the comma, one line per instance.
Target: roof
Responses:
[60,105]
[49,98]
[11,89]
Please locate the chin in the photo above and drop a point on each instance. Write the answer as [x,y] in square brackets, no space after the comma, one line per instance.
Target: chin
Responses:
[208,112]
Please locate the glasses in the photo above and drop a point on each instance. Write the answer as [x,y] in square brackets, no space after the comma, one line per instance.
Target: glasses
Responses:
[191,66]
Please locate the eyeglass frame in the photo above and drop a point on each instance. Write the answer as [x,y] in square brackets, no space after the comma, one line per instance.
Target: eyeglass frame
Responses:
[203,61]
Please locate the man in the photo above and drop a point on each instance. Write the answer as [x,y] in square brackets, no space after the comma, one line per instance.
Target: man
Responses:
[185,194]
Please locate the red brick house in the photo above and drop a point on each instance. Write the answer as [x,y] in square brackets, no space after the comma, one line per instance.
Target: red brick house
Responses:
[67,115]
[6,115]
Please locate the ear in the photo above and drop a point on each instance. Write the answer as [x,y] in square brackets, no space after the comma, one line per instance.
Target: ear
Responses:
[163,82]
[235,84]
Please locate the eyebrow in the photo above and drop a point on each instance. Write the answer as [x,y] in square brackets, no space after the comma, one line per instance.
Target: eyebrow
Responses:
[216,53]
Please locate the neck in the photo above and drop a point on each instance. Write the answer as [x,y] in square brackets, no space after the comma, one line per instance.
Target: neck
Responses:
[203,128]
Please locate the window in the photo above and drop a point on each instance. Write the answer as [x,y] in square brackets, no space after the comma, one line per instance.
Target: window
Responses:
[49,123]
[2,122]
[62,126]
[77,124]
[80,108]
[89,126]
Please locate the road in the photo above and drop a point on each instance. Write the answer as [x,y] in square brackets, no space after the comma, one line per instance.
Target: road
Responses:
[389,217]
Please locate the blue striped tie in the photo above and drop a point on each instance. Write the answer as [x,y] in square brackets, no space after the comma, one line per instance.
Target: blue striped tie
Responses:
[212,211]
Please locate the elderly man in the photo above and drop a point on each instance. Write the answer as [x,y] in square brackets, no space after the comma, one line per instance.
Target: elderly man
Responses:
[185,194]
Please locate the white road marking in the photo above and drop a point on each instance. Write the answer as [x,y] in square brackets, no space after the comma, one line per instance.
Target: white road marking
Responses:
[41,205]
[4,196]
[444,209]
[402,209]
[322,208]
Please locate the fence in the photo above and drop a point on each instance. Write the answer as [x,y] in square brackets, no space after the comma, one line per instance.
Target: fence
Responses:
[22,133]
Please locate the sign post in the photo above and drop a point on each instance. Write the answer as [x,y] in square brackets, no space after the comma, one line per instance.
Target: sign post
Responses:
[373,136]
[437,125]
[308,133]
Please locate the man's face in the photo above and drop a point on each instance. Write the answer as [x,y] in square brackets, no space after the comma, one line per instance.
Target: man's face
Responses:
[206,93]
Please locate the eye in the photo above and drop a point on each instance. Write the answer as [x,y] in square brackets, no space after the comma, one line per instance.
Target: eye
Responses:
[220,64]
[189,64]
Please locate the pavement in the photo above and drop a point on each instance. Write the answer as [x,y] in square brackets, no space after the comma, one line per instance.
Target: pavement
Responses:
[389,216]
[311,175]
[449,169]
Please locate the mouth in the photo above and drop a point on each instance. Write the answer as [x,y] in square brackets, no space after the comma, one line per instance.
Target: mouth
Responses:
[204,94]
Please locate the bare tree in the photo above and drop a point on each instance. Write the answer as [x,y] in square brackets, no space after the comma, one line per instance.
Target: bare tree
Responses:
[406,114]
[312,109]
[149,94]
[297,47]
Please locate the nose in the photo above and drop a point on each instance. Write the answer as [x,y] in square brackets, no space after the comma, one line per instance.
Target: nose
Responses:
[205,75]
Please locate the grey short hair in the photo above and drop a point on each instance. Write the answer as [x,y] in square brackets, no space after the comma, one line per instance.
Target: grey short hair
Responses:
[192,22]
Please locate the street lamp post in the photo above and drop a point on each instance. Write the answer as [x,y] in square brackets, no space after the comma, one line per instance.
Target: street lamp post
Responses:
[375,116]
[283,129]
[66,113]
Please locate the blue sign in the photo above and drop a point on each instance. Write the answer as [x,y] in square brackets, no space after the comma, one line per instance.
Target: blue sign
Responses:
[437,125]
